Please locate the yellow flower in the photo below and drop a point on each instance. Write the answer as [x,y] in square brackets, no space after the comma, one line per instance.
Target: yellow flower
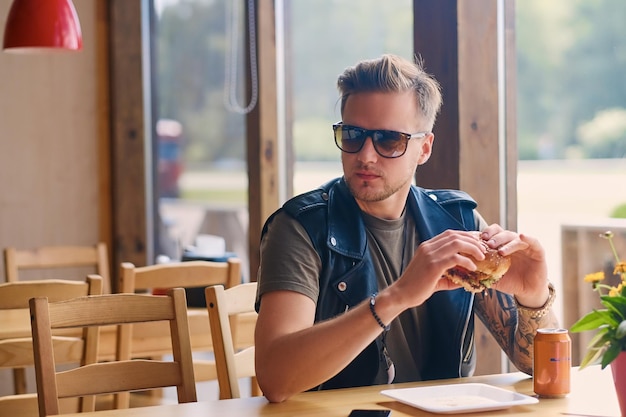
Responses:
[615,291]
[594,277]
[620,268]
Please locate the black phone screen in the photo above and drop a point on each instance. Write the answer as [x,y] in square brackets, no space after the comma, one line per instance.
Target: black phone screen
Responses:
[370,413]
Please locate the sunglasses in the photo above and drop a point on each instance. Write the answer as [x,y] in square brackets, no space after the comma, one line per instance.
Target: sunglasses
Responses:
[387,143]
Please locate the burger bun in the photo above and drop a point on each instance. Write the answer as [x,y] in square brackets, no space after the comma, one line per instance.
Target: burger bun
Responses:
[488,271]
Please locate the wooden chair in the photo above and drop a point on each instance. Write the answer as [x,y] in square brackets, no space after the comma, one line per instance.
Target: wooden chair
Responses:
[115,376]
[94,258]
[223,305]
[149,338]
[55,257]
[17,351]
[179,274]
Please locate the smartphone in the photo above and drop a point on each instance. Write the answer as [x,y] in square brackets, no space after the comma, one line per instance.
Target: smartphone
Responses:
[370,413]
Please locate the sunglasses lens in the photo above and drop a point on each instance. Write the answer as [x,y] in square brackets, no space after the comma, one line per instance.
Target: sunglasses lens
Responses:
[349,139]
[389,144]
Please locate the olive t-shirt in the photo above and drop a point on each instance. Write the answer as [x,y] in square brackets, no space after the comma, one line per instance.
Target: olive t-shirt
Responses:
[290,262]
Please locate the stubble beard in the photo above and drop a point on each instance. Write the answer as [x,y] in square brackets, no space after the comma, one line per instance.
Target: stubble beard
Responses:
[364,191]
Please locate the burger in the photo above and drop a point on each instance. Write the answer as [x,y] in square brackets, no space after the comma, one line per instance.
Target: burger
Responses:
[488,271]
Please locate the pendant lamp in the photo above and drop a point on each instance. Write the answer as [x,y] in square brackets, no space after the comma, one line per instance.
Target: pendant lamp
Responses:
[42,26]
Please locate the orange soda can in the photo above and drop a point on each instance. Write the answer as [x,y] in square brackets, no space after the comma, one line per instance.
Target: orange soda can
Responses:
[552,363]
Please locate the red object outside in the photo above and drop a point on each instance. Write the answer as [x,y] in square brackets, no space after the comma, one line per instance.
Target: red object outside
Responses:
[170,160]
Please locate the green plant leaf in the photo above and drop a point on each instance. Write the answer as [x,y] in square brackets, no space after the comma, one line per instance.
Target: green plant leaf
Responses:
[620,333]
[617,301]
[610,354]
[615,304]
[590,321]
[600,339]
[610,317]
[595,348]
[591,357]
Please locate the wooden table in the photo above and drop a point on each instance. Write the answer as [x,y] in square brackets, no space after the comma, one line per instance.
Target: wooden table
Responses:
[592,395]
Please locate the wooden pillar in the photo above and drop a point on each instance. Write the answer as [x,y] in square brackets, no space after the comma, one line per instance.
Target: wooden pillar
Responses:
[436,43]
[469,48]
[104,134]
[262,134]
[129,187]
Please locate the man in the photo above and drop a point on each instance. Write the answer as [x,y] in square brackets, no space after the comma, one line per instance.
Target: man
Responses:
[351,286]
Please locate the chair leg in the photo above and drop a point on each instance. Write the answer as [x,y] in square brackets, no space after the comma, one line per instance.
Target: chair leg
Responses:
[255,390]
[19,380]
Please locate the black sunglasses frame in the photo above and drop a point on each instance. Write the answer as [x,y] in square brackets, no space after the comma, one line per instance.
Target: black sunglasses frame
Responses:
[379,136]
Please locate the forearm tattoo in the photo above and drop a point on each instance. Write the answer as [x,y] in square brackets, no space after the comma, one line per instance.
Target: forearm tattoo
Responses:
[513,331]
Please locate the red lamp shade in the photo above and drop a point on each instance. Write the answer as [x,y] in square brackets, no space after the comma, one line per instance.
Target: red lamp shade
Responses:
[42,25]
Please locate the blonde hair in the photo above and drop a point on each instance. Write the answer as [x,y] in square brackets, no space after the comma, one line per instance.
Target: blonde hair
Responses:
[392,73]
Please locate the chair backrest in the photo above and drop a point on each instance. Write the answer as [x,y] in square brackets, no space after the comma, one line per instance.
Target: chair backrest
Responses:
[114,376]
[190,274]
[224,305]
[54,257]
[179,274]
[16,347]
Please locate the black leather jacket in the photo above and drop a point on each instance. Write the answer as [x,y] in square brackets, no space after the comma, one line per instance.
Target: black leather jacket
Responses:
[331,217]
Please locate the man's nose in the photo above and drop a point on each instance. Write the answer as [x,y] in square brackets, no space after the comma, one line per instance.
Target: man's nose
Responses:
[368,152]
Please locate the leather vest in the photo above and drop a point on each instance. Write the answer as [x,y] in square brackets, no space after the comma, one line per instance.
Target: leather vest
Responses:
[347,277]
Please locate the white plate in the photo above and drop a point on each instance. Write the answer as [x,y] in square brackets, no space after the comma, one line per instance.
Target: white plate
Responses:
[458,398]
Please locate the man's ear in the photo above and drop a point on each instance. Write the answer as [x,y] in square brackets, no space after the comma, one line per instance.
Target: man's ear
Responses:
[427,148]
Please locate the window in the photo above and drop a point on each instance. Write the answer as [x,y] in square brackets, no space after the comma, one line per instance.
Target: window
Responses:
[324,37]
[198,55]
[202,181]
[571,121]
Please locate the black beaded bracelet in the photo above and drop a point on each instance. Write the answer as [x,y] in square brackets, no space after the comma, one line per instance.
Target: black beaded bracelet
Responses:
[373,310]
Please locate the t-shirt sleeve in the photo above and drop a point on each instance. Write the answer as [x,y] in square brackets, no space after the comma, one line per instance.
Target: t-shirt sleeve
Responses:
[480,222]
[288,260]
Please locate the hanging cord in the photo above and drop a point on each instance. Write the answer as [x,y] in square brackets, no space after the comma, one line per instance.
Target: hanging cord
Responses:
[230,86]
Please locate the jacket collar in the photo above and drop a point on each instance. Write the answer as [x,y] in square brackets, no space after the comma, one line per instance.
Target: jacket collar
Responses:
[431,218]
[346,229]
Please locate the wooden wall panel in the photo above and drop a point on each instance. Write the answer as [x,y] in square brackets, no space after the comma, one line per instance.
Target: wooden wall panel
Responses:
[53,144]
[479,106]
